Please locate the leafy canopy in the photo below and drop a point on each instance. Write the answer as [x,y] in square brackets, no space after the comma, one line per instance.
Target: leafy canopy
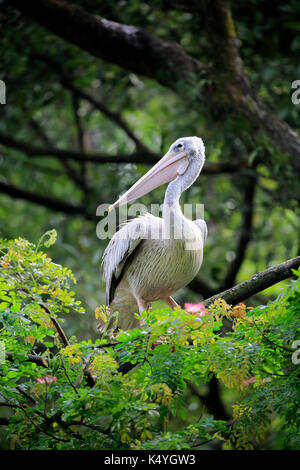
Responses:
[121,391]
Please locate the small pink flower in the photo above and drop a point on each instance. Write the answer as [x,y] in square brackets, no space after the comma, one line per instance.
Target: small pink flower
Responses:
[249,381]
[46,380]
[195,309]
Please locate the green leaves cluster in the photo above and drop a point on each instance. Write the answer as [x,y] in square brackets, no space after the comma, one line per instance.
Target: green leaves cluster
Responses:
[124,391]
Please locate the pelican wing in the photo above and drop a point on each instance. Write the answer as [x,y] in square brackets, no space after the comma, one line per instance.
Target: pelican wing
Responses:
[121,246]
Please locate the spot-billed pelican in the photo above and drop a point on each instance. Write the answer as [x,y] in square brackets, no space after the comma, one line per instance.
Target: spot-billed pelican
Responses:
[150,258]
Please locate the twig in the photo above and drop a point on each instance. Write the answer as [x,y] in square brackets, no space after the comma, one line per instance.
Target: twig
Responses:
[39,361]
[45,201]
[269,340]
[68,378]
[66,80]
[60,331]
[71,172]
[55,322]
[41,429]
[26,395]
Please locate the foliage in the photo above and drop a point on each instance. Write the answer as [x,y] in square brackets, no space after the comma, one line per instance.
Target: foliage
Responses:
[61,98]
[122,390]
[42,110]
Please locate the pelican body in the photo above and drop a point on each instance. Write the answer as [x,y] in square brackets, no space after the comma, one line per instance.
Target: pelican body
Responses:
[150,258]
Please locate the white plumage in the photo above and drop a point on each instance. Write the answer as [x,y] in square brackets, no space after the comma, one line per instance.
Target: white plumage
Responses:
[150,258]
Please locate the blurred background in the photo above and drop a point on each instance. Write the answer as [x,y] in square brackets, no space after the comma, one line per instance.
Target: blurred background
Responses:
[77,130]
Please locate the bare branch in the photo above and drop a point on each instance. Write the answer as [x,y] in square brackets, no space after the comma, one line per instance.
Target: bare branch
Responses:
[35,125]
[34,166]
[140,156]
[71,172]
[66,80]
[45,201]
[80,142]
[62,154]
[128,46]
[57,325]
[59,329]
[257,283]
[78,124]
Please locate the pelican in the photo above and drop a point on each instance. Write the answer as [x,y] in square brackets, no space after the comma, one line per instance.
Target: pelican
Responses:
[150,258]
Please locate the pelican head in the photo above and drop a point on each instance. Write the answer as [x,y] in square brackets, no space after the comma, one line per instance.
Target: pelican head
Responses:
[184,160]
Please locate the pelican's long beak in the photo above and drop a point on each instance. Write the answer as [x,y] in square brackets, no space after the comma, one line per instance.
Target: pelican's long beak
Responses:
[168,168]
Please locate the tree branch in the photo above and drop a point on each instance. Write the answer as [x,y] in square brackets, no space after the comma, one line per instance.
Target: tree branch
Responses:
[210,168]
[62,154]
[40,361]
[234,87]
[59,329]
[144,53]
[80,143]
[49,202]
[257,283]
[46,170]
[67,81]
[128,46]
[71,172]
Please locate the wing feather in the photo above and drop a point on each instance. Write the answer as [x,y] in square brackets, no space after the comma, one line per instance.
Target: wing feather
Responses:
[121,246]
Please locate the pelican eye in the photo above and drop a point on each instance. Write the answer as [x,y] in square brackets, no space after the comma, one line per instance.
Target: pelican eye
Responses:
[179,146]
